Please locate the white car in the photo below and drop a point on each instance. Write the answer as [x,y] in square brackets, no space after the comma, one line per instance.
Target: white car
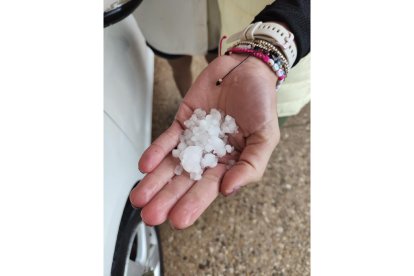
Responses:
[130,247]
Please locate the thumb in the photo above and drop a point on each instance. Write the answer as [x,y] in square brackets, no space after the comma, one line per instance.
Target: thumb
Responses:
[251,165]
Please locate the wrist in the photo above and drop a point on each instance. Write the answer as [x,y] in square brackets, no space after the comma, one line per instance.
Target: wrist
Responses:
[252,67]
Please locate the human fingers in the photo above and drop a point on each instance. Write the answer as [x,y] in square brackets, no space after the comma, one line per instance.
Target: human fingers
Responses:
[156,211]
[162,146]
[251,165]
[153,182]
[197,199]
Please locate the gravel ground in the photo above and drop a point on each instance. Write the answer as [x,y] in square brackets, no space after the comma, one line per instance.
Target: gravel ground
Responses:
[262,230]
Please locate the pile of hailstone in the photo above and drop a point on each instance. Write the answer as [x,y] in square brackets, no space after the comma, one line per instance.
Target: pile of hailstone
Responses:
[203,142]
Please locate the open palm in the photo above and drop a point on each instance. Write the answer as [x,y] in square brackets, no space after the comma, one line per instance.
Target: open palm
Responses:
[248,95]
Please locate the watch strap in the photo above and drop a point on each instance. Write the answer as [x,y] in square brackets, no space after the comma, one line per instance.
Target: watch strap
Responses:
[273,33]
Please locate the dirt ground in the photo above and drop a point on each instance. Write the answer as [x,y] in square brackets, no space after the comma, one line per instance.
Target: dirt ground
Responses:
[262,230]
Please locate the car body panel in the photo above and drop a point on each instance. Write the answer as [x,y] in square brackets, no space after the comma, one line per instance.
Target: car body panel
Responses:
[128,84]
[128,80]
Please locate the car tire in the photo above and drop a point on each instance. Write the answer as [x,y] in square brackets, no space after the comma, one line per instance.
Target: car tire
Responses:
[129,248]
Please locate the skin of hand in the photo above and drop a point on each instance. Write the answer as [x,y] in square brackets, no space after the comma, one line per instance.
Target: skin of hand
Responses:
[247,94]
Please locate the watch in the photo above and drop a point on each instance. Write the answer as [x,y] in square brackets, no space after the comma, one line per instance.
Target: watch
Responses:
[273,33]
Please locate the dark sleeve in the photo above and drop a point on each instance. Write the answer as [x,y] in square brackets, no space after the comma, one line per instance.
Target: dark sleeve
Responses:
[296,15]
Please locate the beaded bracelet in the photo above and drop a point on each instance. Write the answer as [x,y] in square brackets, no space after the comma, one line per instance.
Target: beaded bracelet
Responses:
[275,64]
[263,45]
[280,63]
[266,46]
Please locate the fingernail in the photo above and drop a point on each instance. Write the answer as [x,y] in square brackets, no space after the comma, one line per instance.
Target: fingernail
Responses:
[235,190]
[131,200]
[149,225]
[171,225]
[139,165]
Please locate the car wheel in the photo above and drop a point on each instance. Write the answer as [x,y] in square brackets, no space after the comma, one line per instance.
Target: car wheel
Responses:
[138,247]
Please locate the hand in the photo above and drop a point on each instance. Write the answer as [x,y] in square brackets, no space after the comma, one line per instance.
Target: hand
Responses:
[247,94]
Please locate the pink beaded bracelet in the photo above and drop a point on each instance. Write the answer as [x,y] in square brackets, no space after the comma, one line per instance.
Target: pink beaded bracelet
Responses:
[275,66]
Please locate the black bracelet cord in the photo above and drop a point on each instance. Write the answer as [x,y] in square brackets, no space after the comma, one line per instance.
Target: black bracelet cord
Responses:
[219,81]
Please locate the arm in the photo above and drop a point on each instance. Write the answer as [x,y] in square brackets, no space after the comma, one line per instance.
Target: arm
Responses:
[248,95]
